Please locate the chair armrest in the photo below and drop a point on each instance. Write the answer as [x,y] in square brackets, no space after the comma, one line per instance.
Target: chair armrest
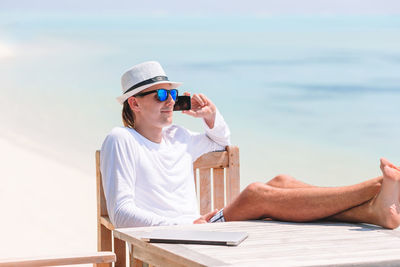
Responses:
[96,257]
[105,220]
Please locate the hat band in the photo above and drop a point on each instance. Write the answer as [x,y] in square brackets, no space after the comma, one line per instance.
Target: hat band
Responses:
[149,81]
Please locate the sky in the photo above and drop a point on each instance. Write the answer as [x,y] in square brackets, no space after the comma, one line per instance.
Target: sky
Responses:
[208,7]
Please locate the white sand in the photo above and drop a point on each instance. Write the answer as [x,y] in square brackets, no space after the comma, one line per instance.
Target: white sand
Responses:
[46,207]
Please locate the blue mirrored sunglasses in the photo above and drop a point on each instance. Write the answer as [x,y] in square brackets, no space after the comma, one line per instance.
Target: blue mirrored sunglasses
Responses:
[162,94]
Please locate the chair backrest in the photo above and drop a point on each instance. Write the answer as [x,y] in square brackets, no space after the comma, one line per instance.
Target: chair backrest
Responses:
[217,178]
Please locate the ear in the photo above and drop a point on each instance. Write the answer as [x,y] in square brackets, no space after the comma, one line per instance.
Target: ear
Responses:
[133,104]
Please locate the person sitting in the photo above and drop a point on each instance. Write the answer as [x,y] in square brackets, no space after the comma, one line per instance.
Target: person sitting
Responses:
[147,169]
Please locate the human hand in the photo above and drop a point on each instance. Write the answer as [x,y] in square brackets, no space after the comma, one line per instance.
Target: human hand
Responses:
[202,107]
[206,217]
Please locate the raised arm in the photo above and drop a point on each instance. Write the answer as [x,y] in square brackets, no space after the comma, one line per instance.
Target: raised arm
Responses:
[217,133]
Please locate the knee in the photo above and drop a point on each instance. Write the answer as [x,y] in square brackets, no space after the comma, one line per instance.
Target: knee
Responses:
[281,180]
[255,189]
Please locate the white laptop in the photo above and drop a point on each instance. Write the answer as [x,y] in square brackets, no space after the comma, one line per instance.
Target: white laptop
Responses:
[195,237]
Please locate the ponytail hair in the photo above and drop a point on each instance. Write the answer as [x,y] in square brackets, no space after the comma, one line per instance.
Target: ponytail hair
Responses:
[128,116]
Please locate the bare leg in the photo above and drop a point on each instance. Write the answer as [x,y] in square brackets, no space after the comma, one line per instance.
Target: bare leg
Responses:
[260,200]
[350,215]
[309,203]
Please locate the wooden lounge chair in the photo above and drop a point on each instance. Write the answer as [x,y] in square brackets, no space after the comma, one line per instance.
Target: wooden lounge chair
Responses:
[98,257]
[219,170]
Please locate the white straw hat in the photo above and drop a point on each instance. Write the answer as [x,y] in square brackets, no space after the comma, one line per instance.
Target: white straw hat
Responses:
[142,76]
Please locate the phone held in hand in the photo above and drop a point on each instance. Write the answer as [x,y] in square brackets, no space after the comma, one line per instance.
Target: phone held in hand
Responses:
[182,103]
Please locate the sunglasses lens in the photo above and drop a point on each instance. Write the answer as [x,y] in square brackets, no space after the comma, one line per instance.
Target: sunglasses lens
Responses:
[174,93]
[162,94]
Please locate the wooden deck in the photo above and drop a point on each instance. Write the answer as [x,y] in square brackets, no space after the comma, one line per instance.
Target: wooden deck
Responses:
[273,243]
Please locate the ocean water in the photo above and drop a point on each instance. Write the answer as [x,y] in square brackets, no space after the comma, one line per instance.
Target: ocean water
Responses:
[316,97]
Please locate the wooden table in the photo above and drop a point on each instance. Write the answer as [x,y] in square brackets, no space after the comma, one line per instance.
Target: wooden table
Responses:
[273,243]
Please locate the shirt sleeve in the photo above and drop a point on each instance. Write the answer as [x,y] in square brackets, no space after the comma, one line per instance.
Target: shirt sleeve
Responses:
[214,139]
[117,167]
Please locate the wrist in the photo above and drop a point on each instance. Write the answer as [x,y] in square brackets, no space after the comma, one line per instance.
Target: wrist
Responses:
[210,119]
[213,112]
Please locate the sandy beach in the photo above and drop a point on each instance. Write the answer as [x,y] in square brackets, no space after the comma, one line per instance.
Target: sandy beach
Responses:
[47,207]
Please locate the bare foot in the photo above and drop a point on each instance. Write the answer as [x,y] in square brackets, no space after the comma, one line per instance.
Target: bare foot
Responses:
[385,162]
[386,207]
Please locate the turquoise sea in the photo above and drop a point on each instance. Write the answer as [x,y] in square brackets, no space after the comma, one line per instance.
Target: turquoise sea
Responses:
[317,97]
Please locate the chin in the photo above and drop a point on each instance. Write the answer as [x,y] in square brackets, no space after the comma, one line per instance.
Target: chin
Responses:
[167,123]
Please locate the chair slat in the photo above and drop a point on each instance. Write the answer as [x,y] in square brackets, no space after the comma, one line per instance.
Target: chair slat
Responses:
[205,191]
[232,174]
[120,251]
[218,186]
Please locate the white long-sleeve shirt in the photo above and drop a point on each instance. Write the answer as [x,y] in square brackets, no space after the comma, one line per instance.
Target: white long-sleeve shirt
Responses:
[147,183]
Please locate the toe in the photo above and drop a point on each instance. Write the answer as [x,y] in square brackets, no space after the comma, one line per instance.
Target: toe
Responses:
[385,162]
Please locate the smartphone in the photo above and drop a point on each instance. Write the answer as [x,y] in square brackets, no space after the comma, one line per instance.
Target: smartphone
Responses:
[183,102]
